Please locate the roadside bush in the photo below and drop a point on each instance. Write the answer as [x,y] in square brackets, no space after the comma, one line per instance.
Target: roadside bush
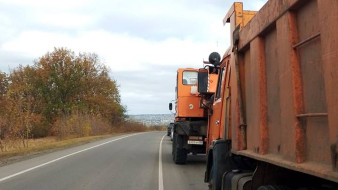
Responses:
[157,128]
[80,125]
[131,126]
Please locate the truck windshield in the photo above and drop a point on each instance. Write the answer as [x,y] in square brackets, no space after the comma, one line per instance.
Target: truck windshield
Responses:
[190,77]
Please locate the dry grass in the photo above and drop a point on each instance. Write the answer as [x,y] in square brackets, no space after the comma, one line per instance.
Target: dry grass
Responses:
[15,150]
[48,143]
[132,126]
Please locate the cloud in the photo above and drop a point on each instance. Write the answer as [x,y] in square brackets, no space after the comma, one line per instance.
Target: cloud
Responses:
[151,91]
[120,51]
[42,4]
[145,70]
[64,20]
[142,42]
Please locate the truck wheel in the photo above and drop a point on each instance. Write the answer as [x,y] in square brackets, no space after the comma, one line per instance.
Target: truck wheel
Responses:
[179,153]
[273,187]
[173,146]
[219,162]
[215,179]
[172,135]
[211,183]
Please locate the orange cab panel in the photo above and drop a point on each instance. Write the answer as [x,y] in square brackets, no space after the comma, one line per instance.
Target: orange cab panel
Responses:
[212,83]
[188,100]
[189,107]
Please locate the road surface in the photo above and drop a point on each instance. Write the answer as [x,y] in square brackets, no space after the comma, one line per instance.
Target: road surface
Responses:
[118,163]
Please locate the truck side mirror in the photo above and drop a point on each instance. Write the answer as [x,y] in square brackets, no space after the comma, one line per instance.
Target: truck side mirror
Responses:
[170,106]
[203,81]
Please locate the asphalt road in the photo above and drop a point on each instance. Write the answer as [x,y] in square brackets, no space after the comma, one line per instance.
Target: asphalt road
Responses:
[118,163]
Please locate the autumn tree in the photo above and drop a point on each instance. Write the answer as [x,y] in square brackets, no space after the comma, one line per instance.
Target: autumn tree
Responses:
[61,93]
[3,92]
[70,83]
[3,84]
[24,103]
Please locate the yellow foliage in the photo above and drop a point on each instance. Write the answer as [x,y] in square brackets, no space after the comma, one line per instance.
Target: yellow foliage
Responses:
[86,129]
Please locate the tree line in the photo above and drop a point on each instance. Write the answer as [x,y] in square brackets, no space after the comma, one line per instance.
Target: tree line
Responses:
[61,94]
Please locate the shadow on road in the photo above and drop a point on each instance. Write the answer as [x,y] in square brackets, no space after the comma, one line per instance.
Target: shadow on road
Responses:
[187,176]
[196,159]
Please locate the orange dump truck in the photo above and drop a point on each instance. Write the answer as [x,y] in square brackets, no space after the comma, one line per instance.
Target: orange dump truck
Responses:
[190,126]
[274,123]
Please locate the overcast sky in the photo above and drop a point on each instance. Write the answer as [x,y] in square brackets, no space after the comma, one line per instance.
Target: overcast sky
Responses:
[142,42]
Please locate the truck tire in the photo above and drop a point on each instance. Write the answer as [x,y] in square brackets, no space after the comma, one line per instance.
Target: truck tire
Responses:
[215,180]
[221,162]
[211,183]
[172,135]
[173,146]
[179,153]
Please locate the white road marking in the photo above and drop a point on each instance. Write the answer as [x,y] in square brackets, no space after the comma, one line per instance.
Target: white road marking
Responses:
[160,171]
[63,157]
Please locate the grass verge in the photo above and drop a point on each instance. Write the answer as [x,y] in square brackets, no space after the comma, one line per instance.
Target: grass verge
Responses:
[44,145]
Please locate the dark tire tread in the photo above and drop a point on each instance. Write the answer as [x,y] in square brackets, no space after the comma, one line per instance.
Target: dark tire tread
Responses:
[179,153]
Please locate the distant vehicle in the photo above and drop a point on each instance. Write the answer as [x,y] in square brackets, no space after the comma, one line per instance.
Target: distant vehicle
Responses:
[191,116]
[170,128]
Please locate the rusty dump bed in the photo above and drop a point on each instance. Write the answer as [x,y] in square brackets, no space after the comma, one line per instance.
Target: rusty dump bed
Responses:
[288,65]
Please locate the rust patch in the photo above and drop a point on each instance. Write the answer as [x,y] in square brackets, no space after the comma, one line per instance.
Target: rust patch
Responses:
[297,90]
[239,134]
[263,99]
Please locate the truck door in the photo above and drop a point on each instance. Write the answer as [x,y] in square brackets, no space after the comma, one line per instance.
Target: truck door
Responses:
[214,124]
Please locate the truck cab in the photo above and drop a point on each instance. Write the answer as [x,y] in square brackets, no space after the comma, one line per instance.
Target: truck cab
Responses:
[194,88]
[187,96]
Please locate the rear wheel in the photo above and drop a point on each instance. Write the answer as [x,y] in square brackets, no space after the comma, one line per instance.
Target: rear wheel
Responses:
[179,152]
[172,135]
[215,179]
[211,184]
[173,146]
